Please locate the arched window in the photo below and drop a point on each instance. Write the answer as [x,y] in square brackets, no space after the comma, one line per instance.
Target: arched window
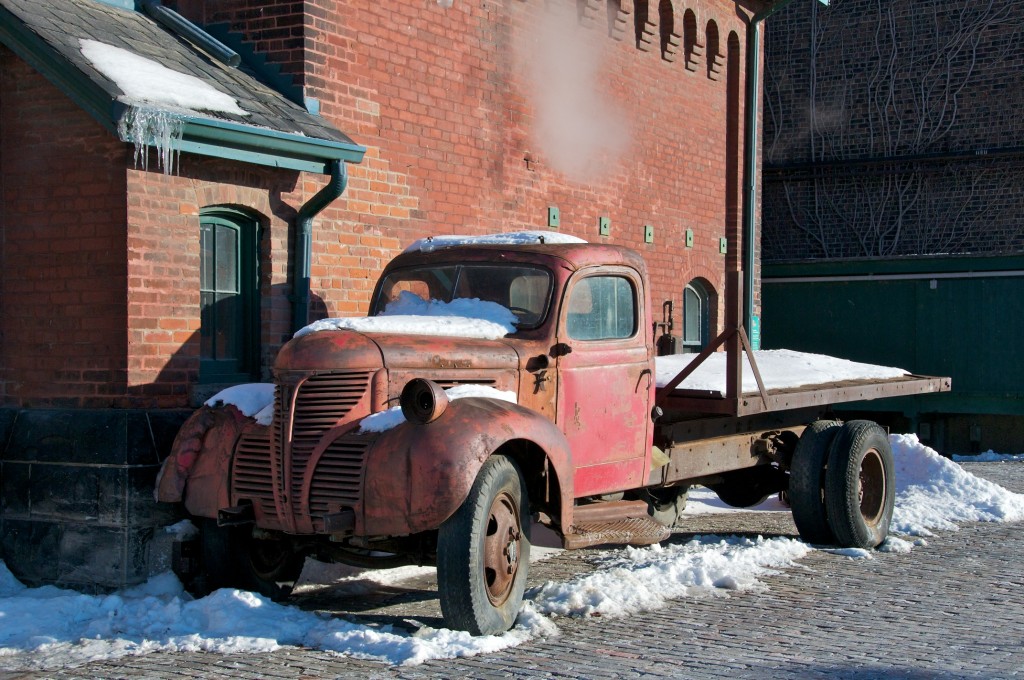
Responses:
[696,317]
[229,297]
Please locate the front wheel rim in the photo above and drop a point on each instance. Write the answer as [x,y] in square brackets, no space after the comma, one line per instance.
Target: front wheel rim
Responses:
[871,487]
[502,548]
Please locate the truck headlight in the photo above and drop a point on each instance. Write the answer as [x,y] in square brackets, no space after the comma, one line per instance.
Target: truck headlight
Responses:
[423,401]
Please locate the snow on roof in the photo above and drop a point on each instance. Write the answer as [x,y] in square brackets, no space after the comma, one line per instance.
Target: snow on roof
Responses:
[411,314]
[145,82]
[50,628]
[780,369]
[514,238]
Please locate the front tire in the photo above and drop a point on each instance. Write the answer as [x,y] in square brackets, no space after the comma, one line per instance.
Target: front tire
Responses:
[860,485]
[483,552]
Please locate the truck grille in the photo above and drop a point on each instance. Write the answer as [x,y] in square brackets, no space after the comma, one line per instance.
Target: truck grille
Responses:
[251,478]
[338,481]
[303,413]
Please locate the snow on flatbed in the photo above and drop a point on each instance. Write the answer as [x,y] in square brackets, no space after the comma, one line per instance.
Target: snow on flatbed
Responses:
[780,369]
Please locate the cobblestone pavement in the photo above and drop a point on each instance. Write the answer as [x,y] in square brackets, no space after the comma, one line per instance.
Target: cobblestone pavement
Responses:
[951,609]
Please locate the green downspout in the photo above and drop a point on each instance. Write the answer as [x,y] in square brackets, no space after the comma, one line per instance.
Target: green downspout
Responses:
[304,241]
[750,146]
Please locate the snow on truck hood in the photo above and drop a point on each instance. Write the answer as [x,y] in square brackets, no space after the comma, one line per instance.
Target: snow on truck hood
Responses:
[412,315]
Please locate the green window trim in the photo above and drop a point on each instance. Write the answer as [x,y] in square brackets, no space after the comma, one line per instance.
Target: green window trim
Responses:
[229,297]
[696,317]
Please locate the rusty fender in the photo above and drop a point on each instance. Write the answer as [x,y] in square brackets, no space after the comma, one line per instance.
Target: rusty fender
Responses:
[417,475]
[198,468]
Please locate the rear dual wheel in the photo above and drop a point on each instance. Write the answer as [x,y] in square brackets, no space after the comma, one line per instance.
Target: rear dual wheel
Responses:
[842,484]
[860,485]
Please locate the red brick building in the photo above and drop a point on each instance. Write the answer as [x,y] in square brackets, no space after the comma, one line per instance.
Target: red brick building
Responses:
[132,287]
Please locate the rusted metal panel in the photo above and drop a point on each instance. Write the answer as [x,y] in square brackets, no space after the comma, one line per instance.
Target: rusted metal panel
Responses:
[324,350]
[197,469]
[806,396]
[428,353]
[418,475]
[713,456]
[605,393]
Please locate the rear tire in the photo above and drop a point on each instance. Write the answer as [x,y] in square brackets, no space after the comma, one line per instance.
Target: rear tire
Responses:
[807,482]
[483,552]
[860,485]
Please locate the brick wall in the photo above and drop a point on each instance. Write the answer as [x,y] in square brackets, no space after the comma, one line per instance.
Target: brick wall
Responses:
[62,268]
[163,267]
[893,129]
[470,130]
[467,133]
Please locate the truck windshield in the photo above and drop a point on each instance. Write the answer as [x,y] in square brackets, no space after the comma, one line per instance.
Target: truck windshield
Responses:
[524,290]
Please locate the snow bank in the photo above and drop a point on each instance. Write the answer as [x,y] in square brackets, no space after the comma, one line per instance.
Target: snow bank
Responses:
[780,369]
[634,580]
[933,492]
[989,456]
[49,628]
[514,238]
[411,314]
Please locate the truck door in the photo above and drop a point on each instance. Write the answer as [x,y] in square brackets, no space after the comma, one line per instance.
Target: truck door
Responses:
[605,381]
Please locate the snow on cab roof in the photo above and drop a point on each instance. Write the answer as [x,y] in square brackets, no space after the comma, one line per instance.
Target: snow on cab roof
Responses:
[513,238]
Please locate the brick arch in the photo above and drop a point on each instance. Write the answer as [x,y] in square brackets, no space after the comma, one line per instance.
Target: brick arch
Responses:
[693,42]
[713,50]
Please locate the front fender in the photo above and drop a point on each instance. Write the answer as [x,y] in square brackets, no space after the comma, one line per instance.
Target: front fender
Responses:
[417,475]
[197,469]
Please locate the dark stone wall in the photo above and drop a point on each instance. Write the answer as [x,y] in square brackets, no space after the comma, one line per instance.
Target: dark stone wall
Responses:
[893,129]
[77,495]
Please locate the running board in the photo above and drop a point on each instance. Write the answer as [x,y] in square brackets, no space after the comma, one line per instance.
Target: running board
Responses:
[613,522]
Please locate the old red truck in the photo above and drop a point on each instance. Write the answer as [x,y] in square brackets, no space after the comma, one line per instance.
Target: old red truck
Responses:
[590,446]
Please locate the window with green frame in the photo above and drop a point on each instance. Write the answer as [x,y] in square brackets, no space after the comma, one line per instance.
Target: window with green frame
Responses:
[229,295]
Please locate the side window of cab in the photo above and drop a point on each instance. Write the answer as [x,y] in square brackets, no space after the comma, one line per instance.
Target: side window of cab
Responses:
[602,308]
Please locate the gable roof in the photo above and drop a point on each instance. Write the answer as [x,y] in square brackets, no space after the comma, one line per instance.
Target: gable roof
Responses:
[139,80]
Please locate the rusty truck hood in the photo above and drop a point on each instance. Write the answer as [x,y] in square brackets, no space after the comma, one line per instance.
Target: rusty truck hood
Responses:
[421,351]
[325,350]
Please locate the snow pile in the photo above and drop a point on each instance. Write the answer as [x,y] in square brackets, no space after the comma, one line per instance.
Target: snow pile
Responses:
[49,628]
[634,580]
[933,492]
[513,238]
[393,417]
[780,369]
[989,456]
[145,82]
[46,628]
[411,314]
[255,400]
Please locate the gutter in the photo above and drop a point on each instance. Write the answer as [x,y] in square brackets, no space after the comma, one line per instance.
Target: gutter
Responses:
[750,149]
[302,253]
